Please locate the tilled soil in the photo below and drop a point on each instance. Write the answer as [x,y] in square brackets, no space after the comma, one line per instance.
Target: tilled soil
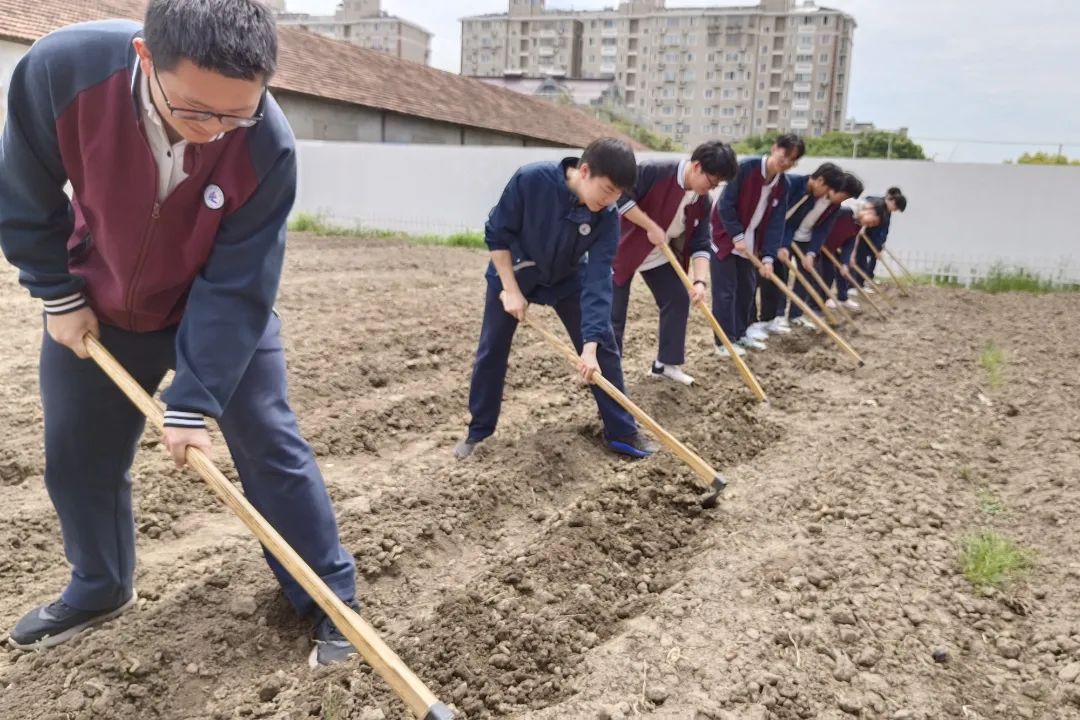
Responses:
[546,578]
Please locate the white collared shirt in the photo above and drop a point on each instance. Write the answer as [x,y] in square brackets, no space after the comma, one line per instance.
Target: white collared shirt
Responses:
[168,156]
[806,227]
[763,202]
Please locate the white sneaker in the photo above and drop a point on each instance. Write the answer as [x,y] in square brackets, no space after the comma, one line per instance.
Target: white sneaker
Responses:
[851,304]
[831,304]
[751,344]
[723,351]
[868,290]
[780,325]
[801,321]
[670,372]
[758,331]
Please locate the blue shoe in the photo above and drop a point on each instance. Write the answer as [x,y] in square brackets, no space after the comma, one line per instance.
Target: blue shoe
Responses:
[635,446]
[331,646]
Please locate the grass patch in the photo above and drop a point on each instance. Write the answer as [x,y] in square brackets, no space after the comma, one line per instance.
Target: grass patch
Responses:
[318,225]
[990,504]
[989,559]
[1002,279]
[992,359]
[332,703]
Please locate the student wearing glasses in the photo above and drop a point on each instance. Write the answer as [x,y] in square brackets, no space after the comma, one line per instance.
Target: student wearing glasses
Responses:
[669,205]
[169,250]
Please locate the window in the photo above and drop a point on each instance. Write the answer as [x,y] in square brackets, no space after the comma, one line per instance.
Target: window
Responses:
[709,94]
[687,111]
[727,93]
[729,76]
[821,95]
[729,112]
[824,57]
[707,111]
[732,57]
[711,57]
[668,111]
[806,41]
[671,57]
[804,58]
[669,76]
[667,128]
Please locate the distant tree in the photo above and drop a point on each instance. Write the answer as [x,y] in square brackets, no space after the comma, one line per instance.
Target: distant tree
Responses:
[1042,158]
[873,144]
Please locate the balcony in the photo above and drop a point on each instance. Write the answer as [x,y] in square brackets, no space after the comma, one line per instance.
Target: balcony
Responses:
[609,50]
[609,32]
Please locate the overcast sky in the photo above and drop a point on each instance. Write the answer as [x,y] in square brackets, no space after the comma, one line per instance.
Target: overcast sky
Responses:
[956,70]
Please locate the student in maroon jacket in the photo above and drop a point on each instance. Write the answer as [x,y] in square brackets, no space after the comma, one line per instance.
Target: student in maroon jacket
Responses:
[670,205]
[749,218]
[841,241]
[183,171]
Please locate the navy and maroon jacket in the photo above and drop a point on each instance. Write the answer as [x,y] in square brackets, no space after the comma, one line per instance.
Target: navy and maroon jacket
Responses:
[841,239]
[206,259]
[736,209]
[797,190]
[659,193]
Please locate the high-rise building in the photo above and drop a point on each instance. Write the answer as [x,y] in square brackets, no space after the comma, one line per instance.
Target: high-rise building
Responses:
[690,73]
[363,23]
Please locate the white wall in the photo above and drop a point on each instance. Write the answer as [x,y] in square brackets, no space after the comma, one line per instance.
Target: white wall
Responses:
[9,55]
[966,216]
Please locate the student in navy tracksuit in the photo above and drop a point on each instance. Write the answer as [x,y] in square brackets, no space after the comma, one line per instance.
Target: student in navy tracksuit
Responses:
[850,221]
[552,238]
[669,205]
[810,233]
[182,172]
[895,202]
[749,218]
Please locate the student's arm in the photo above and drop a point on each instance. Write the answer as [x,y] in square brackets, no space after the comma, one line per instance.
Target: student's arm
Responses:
[728,206]
[656,234]
[700,252]
[820,235]
[35,212]
[502,230]
[596,290]
[774,231]
[847,255]
[647,175]
[229,305]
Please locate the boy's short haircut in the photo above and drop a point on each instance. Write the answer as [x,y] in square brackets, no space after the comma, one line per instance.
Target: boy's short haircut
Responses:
[878,205]
[831,174]
[853,186]
[613,159]
[900,201]
[235,38]
[792,143]
[893,191]
[717,159]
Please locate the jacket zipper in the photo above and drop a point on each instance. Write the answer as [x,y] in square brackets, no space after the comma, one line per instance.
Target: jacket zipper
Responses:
[148,235]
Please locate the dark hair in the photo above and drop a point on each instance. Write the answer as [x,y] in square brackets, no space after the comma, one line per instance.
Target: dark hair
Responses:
[613,159]
[878,204]
[792,142]
[717,159]
[853,186]
[900,201]
[893,191]
[236,38]
[831,174]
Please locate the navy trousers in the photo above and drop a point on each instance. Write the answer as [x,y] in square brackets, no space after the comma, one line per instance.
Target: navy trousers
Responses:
[674,304]
[734,282]
[493,358]
[773,300]
[91,434]
[865,258]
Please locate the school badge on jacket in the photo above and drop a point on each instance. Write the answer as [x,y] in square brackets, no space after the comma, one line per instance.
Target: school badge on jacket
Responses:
[213,197]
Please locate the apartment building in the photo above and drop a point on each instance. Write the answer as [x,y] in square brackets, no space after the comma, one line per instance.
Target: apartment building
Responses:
[363,23]
[690,73]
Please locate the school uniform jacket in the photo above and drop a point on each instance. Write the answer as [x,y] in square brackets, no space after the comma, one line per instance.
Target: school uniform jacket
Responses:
[736,208]
[797,190]
[658,193]
[558,246]
[206,259]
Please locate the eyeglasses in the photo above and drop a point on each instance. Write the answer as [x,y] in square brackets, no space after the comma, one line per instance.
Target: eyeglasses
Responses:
[231,121]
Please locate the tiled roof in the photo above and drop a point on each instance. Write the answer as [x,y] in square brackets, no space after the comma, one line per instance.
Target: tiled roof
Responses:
[325,68]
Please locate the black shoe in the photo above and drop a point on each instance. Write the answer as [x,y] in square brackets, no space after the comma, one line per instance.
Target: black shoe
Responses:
[635,446]
[465,448]
[58,622]
[331,646]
